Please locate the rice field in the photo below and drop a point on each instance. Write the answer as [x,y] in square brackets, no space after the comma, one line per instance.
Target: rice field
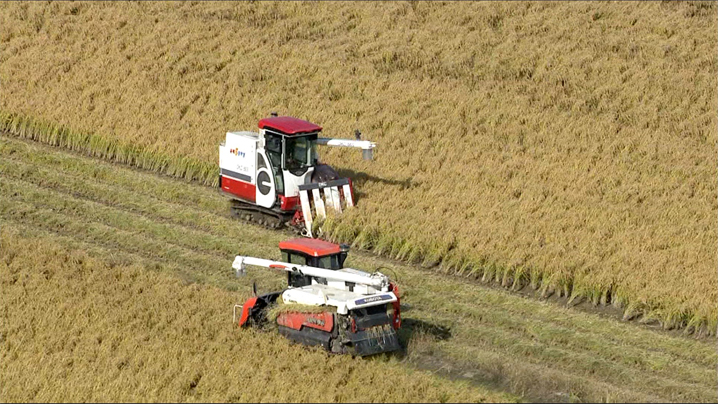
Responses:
[568,147]
[94,249]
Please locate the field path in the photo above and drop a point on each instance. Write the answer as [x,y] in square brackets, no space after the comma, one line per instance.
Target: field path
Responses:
[455,327]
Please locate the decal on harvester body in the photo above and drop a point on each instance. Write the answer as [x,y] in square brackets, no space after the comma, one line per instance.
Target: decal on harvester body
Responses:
[236,168]
[320,321]
[372,299]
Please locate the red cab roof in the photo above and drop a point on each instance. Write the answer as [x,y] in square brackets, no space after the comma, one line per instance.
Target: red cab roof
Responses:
[311,246]
[288,125]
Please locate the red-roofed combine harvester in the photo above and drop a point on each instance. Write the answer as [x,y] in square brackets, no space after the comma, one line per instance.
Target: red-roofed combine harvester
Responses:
[342,309]
[274,177]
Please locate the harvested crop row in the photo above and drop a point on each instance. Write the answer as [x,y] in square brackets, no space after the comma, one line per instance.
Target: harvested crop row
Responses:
[566,146]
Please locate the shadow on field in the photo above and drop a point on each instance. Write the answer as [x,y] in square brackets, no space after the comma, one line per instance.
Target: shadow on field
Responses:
[412,330]
[359,178]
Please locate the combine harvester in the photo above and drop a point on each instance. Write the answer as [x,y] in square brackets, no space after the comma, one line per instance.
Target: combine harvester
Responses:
[269,175]
[344,310]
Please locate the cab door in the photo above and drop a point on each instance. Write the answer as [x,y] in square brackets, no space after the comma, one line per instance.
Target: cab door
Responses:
[266,185]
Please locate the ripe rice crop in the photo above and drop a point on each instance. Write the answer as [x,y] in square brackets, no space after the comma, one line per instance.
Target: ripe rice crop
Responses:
[570,147]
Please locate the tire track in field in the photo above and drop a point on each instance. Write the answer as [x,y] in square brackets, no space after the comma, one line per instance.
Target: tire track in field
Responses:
[116,254]
[189,241]
[191,262]
[103,191]
[89,210]
[40,217]
[190,265]
[120,177]
[153,206]
[563,334]
[112,254]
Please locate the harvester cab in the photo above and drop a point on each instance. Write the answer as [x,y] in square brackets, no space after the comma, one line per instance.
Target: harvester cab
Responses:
[314,253]
[342,309]
[274,177]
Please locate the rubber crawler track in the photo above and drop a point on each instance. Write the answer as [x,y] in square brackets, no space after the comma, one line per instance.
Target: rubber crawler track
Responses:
[263,217]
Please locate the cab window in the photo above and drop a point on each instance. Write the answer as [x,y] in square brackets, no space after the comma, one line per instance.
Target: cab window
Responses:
[299,152]
[273,146]
[294,279]
[328,262]
[295,259]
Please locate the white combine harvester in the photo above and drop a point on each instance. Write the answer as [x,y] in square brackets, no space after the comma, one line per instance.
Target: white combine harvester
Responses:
[341,309]
[274,177]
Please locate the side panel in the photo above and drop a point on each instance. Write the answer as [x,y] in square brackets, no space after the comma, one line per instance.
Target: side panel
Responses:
[237,156]
[246,310]
[296,321]
[396,320]
[288,203]
[242,189]
[292,182]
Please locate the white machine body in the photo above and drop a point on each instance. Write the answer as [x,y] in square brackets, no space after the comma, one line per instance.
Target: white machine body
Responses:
[346,288]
